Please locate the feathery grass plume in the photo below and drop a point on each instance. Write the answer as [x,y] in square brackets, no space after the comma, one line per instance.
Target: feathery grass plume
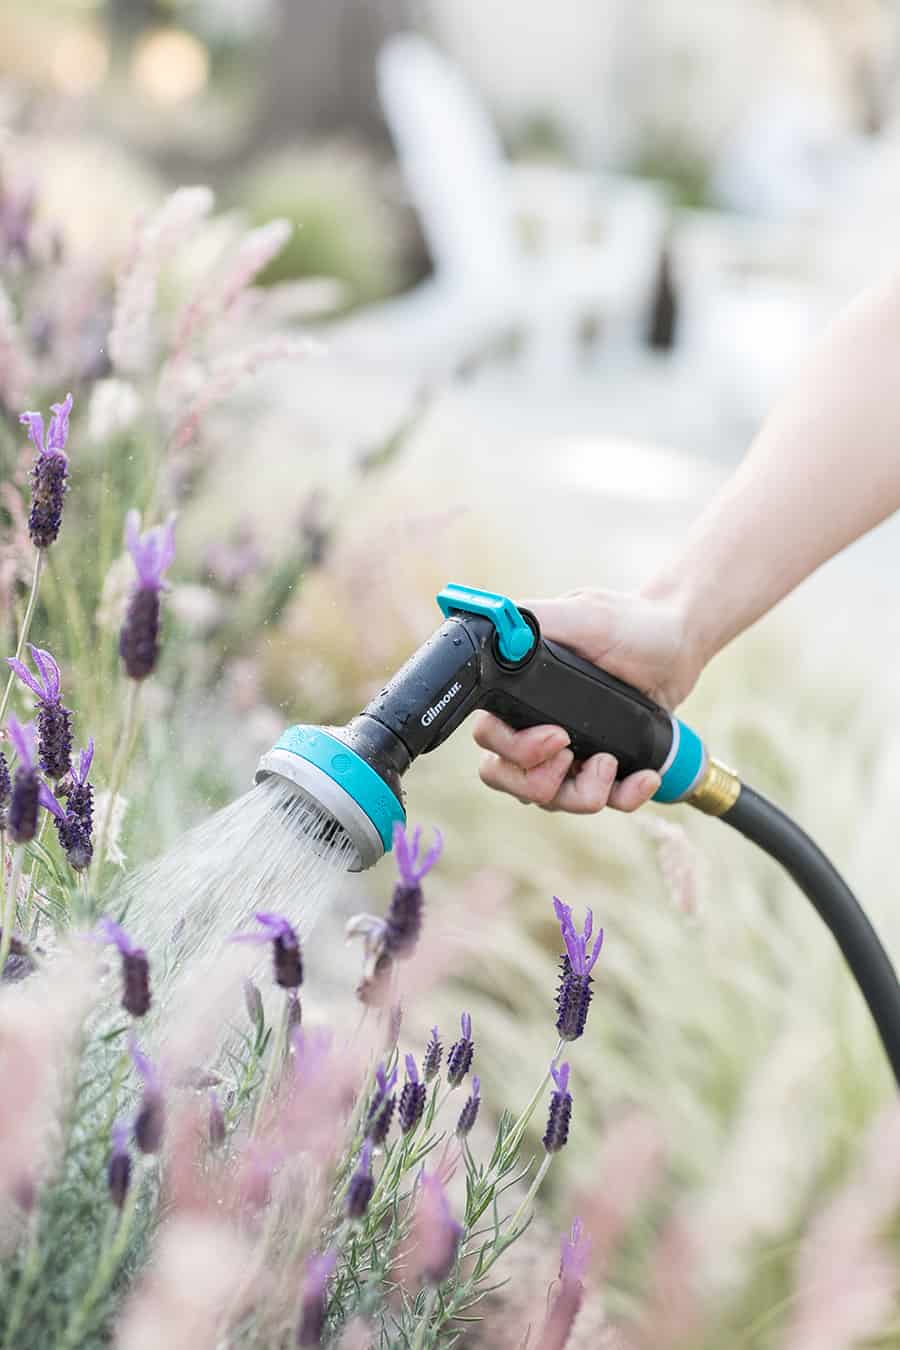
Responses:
[24,801]
[149,1122]
[49,472]
[314,1305]
[217,294]
[136,996]
[286,955]
[118,1169]
[679,862]
[573,999]
[225,374]
[412,1098]
[361,1184]
[469,1114]
[435,1234]
[459,1060]
[130,346]
[54,720]
[153,553]
[567,1298]
[556,1134]
[431,1065]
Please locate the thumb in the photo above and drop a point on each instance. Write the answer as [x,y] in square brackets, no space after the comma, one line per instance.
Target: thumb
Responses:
[569,621]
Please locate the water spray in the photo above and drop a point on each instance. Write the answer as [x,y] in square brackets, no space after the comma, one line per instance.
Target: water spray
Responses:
[489,653]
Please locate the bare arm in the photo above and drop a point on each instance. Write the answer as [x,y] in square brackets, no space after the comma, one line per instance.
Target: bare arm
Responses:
[824,470]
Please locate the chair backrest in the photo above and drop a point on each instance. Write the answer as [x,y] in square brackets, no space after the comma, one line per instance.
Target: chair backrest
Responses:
[451,159]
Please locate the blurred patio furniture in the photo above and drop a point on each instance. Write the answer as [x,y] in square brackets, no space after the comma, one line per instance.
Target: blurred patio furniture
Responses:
[527,251]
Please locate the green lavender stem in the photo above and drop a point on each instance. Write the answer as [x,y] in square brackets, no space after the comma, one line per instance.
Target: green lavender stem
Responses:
[427,1315]
[120,764]
[275,1065]
[24,630]
[33,876]
[110,1257]
[9,906]
[25,1284]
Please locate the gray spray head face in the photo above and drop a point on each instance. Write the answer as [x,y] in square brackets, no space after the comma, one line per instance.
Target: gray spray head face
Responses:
[348,805]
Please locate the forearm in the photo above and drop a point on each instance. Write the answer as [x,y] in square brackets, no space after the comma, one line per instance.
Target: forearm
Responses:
[824,470]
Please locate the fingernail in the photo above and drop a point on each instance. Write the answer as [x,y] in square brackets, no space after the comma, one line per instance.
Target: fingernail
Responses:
[650,781]
[555,739]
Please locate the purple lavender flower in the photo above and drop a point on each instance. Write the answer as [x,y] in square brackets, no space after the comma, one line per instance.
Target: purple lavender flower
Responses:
[153,553]
[459,1060]
[469,1114]
[24,801]
[136,997]
[403,921]
[362,1184]
[54,720]
[412,1098]
[75,823]
[431,1064]
[314,1304]
[381,1107]
[49,472]
[118,1169]
[557,1132]
[216,1120]
[573,998]
[151,1114]
[5,790]
[288,960]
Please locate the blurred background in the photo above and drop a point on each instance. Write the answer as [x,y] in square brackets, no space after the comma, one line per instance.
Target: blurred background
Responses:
[558,260]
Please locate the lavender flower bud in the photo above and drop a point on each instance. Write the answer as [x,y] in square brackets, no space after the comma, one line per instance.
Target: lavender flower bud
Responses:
[557,1132]
[149,1122]
[573,998]
[459,1060]
[5,790]
[287,958]
[403,922]
[75,841]
[136,996]
[294,1012]
[412,1098]
[381,1107]
[23,806]
[54,729]
[139,636]
[362,1184]
[216,1121]
[118,1169]
[54,722]
[431,1065]
[49,472]
[19,963]
[314,1305]
[253,1003]
[469,1114]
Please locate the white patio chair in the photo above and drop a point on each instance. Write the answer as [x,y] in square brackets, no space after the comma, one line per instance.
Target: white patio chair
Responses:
[599,238]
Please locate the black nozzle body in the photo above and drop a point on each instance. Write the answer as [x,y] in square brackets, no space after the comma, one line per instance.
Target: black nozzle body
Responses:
[460,668]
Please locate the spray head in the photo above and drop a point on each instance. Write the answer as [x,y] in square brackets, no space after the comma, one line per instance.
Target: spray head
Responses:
[355,808]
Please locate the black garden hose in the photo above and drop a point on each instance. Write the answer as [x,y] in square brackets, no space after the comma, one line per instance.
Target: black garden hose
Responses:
[779,836]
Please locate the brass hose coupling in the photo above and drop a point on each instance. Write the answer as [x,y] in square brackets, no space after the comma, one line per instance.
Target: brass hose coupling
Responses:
[717,791]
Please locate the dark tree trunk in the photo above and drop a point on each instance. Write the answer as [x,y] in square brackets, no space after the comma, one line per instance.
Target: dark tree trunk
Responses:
[320,75]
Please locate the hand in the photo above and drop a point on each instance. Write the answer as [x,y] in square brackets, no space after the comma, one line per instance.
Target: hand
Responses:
[635,637]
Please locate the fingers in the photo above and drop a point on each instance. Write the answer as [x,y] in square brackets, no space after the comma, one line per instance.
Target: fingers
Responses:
[594,786]
[526,749]
[634,790]
[539,784]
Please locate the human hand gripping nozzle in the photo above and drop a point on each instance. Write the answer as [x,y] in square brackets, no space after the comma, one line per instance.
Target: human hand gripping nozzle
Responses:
[488,653]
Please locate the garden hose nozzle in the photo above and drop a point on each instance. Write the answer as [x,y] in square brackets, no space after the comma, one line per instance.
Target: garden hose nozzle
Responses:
[488,653]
